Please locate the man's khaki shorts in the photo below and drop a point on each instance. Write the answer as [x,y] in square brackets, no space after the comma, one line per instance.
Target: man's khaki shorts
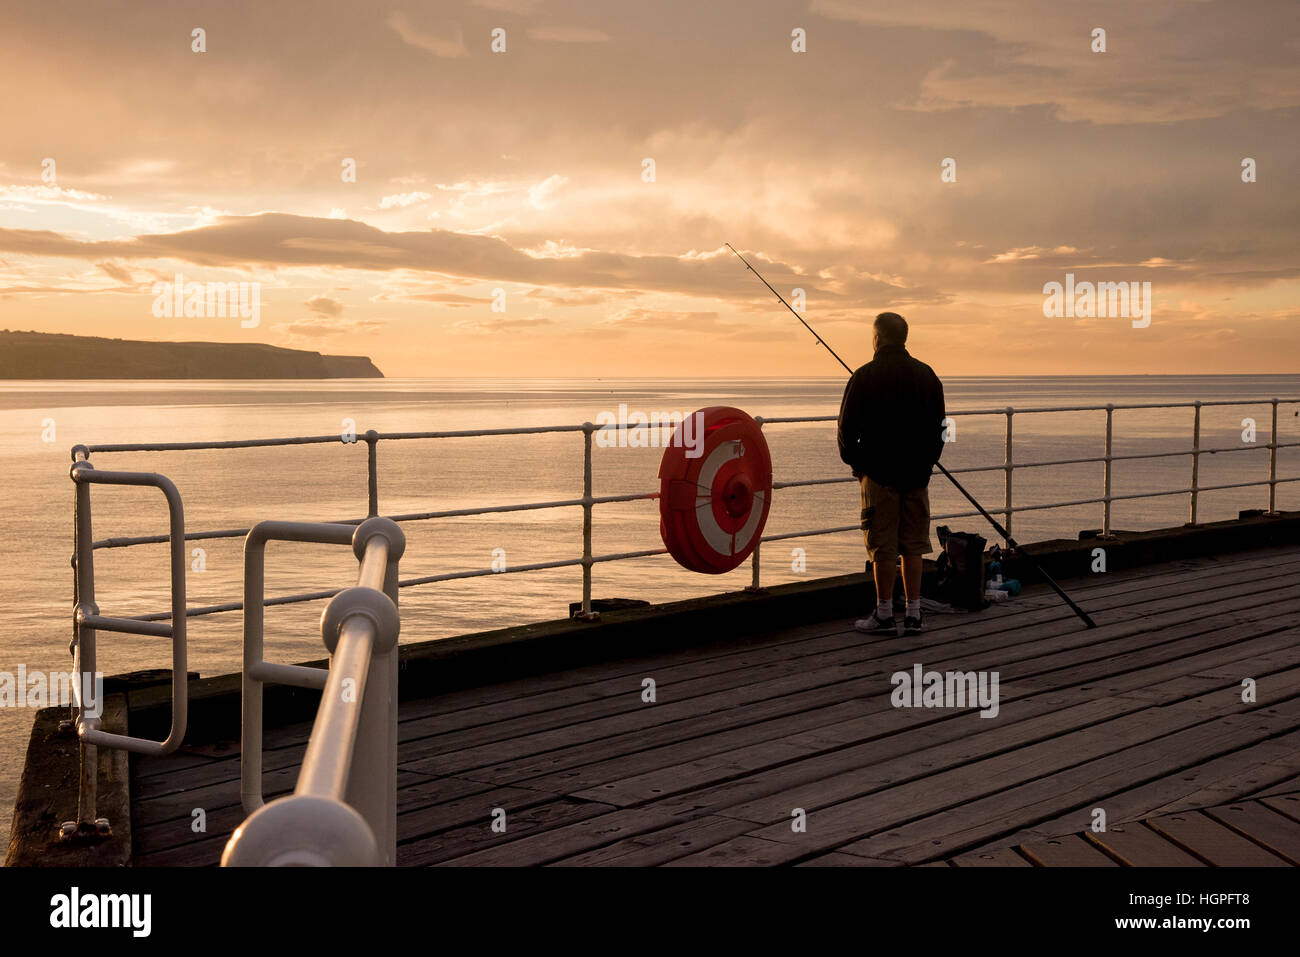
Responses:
[895,523]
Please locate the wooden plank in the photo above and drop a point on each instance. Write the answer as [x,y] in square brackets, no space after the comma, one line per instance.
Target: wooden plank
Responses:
[533,733]
[1002,812]
[659,846]
[569,705]
[1250,615]
[1288,804]
[1271,830]
[1069,851]
[1145,678]
[179,806]
[173,843]
[1247,781]
[869,766]
[475,806]
[462,841]
[586,763]
[1117,583]
[643,787]
[203,851]
[1138,846]
[571,839]
[743,851]
[897,745]
[214,773]
[1000,857]
[835,859]
[417,791]
[549,743]
[179,832]
[1212,842]
[998,816]
[1289,785]
[529,735]
[1166,794]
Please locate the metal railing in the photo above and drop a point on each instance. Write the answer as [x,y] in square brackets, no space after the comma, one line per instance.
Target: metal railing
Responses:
[343,811]
[257,671]
[87,621]
[588,500]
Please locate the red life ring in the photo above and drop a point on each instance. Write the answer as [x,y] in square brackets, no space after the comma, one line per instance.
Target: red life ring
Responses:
[715,490]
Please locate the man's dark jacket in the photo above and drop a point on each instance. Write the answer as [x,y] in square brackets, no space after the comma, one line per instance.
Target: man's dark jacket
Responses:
[891,420]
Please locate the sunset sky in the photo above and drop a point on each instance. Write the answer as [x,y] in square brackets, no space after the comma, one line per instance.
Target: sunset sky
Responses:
[523,171]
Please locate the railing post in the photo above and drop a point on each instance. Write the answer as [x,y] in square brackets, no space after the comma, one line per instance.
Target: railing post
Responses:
[250,684]
[84,665]
[1272,462]
[586,614]
[372,473]
[344,806]
[1105,506]
[1196,455]
[1008,467]
[372,781]
[754,564]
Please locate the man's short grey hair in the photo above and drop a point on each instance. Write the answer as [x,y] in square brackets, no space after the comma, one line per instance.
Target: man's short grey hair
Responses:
[892,329]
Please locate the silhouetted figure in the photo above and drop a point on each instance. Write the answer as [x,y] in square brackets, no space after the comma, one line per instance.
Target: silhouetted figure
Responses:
[891,434]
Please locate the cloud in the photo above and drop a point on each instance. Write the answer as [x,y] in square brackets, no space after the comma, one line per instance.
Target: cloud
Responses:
[1164,62]
[49,193]
[567,299]
[451,299]
[509,6]
[324,306]
[539,196]
[568,34]
[58,289]
[315,328]
[402,200]
[497,326]
[282,240]
[438,46]
[1023,253]
[118,272]
[663,319]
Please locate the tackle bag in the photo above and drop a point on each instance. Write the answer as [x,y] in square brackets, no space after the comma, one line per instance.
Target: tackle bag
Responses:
[959,570]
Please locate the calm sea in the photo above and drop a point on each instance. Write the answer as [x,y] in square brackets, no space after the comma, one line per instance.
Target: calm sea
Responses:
[231,489]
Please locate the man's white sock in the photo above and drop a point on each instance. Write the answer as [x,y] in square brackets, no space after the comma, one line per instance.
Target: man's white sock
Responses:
[884,610]
[914,609]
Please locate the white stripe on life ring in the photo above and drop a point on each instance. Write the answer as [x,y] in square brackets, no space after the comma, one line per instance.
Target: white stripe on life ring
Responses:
[721,541]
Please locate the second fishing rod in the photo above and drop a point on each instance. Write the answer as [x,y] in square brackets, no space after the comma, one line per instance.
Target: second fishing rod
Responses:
[1011,542]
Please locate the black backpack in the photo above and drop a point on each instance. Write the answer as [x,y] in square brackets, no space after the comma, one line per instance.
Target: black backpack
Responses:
[959,570]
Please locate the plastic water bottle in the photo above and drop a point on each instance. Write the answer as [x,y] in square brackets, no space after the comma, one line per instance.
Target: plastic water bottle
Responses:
[995,575]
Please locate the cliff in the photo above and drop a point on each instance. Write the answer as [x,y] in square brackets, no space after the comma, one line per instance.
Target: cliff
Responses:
[41,355]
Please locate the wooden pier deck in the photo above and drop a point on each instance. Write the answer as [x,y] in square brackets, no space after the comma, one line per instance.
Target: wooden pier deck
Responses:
[1142,718]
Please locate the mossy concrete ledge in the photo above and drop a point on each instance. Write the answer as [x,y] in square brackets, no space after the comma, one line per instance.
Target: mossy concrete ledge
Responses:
[47,795]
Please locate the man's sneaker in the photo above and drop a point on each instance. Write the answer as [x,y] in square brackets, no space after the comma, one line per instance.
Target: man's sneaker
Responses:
[912,624]
[875,625]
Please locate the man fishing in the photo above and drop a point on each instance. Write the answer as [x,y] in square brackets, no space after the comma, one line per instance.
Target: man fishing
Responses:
[891,435]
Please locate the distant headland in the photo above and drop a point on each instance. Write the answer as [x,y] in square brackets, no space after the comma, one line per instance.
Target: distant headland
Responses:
[44,355]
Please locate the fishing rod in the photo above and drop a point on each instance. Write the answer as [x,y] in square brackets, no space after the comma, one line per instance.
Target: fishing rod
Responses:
[1011,542]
